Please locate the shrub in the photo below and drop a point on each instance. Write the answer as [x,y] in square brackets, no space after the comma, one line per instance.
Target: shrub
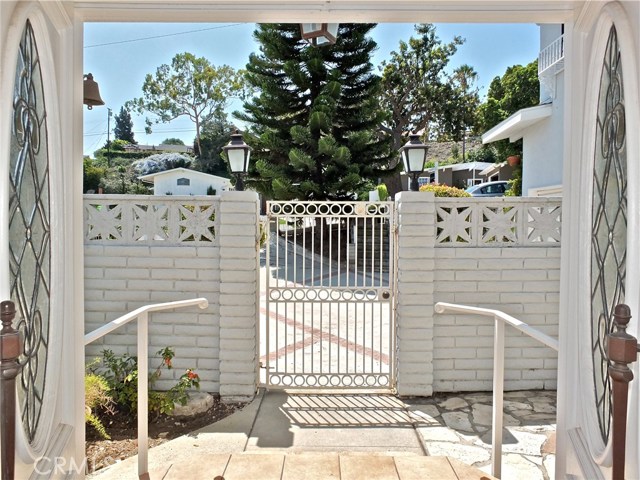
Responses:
[383,193]
[515,184]
[97,398]
[121,375]
[444,190]
[161,162]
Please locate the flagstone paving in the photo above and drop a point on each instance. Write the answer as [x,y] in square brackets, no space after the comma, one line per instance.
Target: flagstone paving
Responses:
[459,426]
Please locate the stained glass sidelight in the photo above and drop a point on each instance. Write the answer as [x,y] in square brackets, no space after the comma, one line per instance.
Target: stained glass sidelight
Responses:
[609,222]
[29,228]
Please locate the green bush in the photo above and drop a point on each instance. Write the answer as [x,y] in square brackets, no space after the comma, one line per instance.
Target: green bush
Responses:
[383,193]
[515,184]
[97,398]
[444,190]
[121,375]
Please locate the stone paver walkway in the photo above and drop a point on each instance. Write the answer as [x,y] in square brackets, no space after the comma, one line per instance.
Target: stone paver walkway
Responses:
[320,466]
[352,436]
[459,426]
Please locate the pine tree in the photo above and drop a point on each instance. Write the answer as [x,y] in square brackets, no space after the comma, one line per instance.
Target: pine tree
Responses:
[315,122]
[123,129]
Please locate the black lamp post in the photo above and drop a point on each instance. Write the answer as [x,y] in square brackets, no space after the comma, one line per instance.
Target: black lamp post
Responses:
[319,34]
[238,154]
[414,155]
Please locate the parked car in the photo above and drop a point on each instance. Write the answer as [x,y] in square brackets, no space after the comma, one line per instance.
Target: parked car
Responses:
[488,189]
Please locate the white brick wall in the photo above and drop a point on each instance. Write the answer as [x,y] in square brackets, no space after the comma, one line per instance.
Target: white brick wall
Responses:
[415,297]
[455,352]
[122,274]
[434,352]
[239,295]
[119,279]
[520,281]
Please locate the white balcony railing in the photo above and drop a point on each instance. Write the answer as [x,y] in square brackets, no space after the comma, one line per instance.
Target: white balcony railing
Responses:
[142,315]
[500,320]
[551,55]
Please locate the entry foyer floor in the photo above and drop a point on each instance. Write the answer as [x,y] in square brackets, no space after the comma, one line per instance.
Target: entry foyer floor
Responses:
[290,436]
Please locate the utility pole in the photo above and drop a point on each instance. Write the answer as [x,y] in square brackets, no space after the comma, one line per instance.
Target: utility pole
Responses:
[108,137]
[464,143]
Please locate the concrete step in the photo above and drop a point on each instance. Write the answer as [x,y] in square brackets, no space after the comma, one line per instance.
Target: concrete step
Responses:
[319,466]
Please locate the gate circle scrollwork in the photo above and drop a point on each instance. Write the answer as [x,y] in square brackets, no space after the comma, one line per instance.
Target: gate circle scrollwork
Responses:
[287,295]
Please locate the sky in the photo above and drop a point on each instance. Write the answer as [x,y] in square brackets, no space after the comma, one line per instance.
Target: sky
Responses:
[119,55]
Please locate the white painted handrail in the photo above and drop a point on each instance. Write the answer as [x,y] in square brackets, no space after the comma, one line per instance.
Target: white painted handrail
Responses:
[142,315]
[501,319]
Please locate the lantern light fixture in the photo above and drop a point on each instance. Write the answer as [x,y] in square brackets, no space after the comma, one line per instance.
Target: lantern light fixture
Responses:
[238,154]
[319,34]
[414,156]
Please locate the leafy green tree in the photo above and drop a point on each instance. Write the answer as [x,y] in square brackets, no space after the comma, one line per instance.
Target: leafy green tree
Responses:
[422,97]
[518,88]
[123,129]
[315,123]
[172,141]
[215,134]
[191,86]
[459,105]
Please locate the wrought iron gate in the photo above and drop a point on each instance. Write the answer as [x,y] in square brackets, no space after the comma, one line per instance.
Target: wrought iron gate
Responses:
[328,314]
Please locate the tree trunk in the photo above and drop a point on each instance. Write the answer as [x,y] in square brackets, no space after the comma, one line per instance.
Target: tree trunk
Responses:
[393,183]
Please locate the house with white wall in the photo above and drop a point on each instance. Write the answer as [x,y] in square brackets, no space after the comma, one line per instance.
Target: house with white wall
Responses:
[184,181]
[541,127]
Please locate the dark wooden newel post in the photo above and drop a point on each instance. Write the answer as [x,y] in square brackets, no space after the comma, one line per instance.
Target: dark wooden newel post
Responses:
[622,349]
[10,348]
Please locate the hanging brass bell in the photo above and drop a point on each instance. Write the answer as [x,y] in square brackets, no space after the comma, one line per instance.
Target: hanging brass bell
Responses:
[91,92]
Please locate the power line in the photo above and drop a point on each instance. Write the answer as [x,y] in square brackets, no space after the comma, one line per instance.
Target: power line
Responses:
[162,36]
[142,131]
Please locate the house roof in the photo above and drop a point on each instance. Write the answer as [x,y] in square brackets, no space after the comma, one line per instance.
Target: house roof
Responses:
[513,127]
[185,171]
[456,167]
[494,167]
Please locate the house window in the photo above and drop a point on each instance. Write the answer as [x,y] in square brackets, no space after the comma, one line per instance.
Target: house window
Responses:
[494,178]
[609,222]
[29,229]
[183,181]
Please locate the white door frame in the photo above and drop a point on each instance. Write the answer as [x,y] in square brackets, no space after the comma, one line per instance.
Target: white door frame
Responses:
[578,435]
[577,50]
[53,30]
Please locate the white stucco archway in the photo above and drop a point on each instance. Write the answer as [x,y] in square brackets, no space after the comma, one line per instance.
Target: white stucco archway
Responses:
[585,23]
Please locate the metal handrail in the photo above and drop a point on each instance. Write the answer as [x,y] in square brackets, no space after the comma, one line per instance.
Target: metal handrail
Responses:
[500,319]
[142,315]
